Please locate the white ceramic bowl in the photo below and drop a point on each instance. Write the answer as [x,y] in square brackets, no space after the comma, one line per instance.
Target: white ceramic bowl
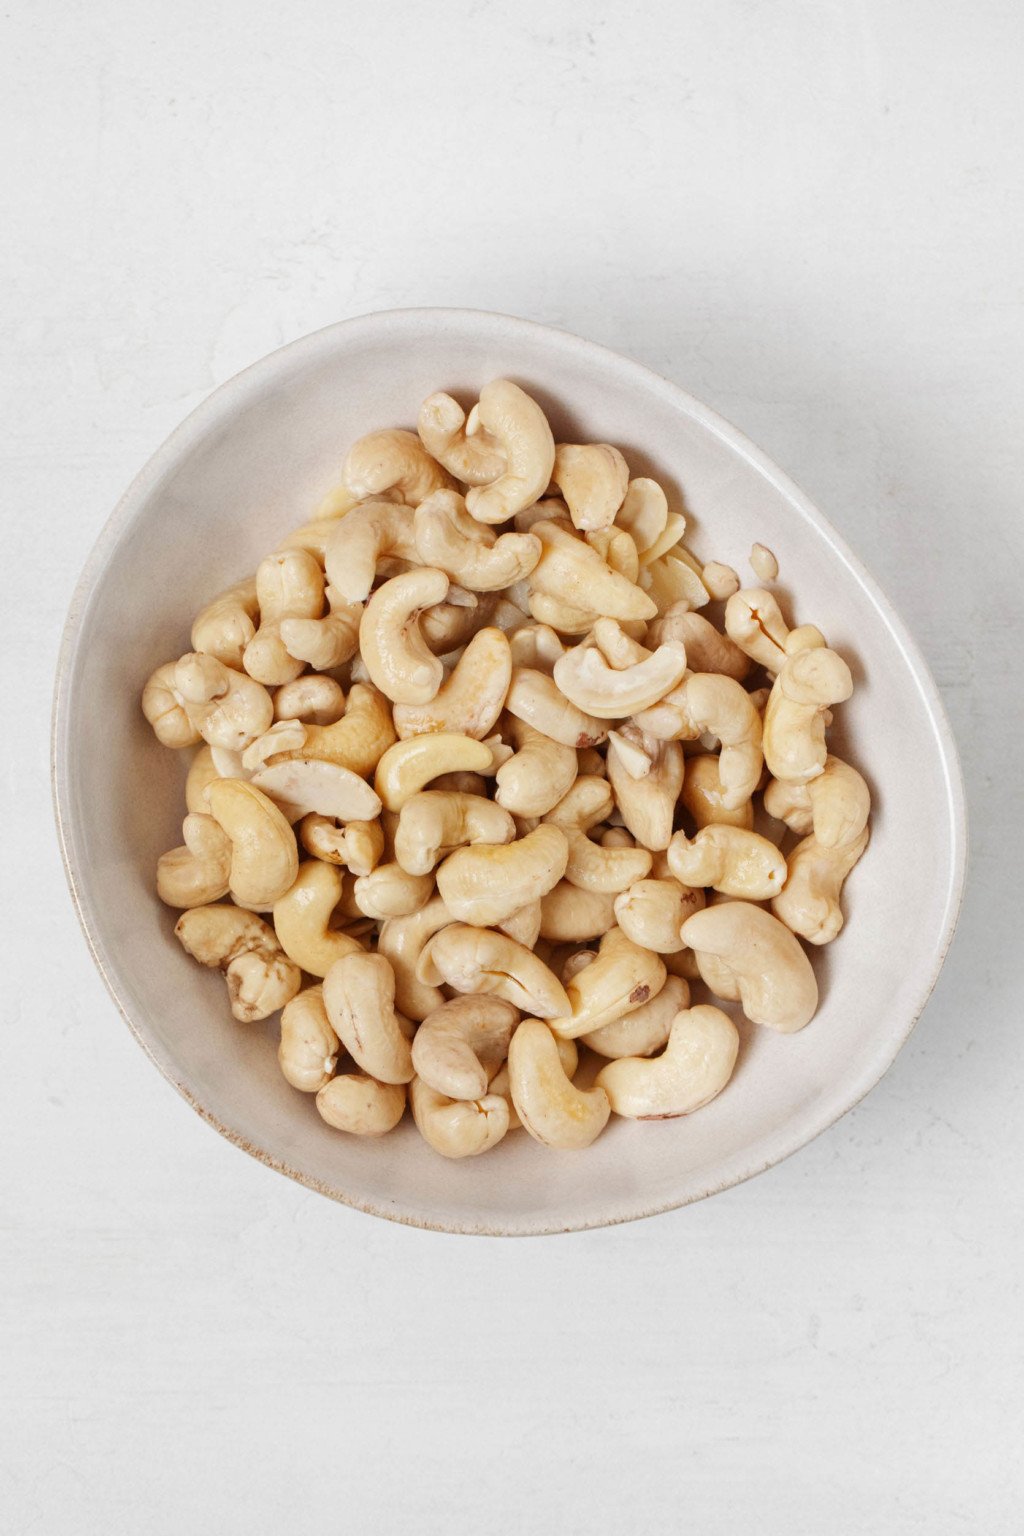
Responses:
[252,462]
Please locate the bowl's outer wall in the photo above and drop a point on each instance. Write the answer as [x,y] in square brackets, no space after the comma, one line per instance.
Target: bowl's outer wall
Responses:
[251,464]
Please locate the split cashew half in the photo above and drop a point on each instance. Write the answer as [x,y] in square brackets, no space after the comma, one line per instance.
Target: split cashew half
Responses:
[304,786]
[260,977]
[748,956]
[643,513]
[695,1066]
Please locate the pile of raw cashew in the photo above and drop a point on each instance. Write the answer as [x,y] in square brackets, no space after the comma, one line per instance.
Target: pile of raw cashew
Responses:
[454,738]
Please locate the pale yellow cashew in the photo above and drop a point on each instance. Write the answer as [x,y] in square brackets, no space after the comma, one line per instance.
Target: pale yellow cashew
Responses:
[485,884]
[402,940]
[554,614]
[165,710]
[748,956]
[312,786]
[635,753]
[536,646]
[588,801]
[357,1103]
[407,766]
[302,919]
[442,428]
[392,460]
[520,428]
[393,649]
[806,637]
[619,648]
[471,698]
[809,901]
[643,513]
[289,585]
[668,542]
[434,823]
[372,533]
[571,915]
[648,805]
[732,860]
[592,478]
[359,995]
[702,796]
[358,845]
[227,708]
[226,625]
[617,550]
[592,867]
[535,779]
[646,1029]
[711,703]
[549,1106]
[754,622]
[671,579]
[587,680]
[314,537]
[481,960]
[201,772]
[763,563]
[720,580]
[456,1127]
[308,1052]
[539,701]
[200,871]
[524,924]
[835,805]
[461,1045]
[467,550]
[264,855]
[794,718]
[259,975]
[452,623]
[324,642]
[622,978]
[391,891]
[312,699]
[358,740]
[651,912]
[573,574]
[568,1055]
[284,736]
[707,649]
[695,1066]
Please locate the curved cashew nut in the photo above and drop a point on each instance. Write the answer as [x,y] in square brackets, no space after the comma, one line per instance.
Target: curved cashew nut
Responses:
[260,977]
[729,859]
[201,771]
[550,1107]
[391,891]
[470,700]
[651,913]
[226,625]
[442,428]
[621,978]
[302,919]
[646,1029]
[695,1066]
[461,1045]
[392,460]
[467,550]
[794,717]
[754,622]
[314,537]
[359,995]
[707,650]
[357,1103]
[358,845]
[324,642]
[592,867]
[392,647]
[458,1127]
[482,960]
[539,701]
[402,941]
[710,702]
[313,699]
[809,900]
[227,708]
[748,956]
[519,426]
[587,679]
[200,871]
[570,915]
[289,585]
[434,823]
[371,533]
[702,796]
[586,802]
[593,478]
[264,854]
[163,707]
[358,740]
[836,804]
[407,766]
[304,786]
[484,885]
[537,776]
[308,1052]
[647,805]
[643,513]
[572,572]
[568,1055]
[452,623]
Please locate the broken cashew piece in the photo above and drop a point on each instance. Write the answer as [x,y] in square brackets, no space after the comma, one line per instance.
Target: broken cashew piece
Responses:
[302,919]
[623,977]
[732,860]
[289,585]
[472,697]
[516,422]
[358,845]
[259,975]
[264,854]
[393,649]
[550,1107]
[226,625]
[392,460]
[199,872]
[647,805]
[450,539]
[643,513]
[357,1103]
[482,960]
[308,1052]
[407,766]
[748,956]
[460,1046]
[809,901]
[456,1127]
[303,786]
[694,1067]
[593,478]
[359,995]
[488,883]
[794,718]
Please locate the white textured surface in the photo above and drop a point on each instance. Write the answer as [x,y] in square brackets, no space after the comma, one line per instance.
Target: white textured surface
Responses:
[809,215]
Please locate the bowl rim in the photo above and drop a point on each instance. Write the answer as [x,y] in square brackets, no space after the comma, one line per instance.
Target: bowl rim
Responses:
[249,382]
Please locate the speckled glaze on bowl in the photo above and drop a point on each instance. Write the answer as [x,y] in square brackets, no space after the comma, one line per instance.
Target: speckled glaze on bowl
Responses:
[250,463]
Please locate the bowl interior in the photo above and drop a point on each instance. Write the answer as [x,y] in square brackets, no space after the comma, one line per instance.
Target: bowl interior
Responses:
[252,463]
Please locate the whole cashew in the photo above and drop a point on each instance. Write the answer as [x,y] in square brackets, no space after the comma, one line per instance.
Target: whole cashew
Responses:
[592,478]
[702,796]
[574,574]
[314,538]
[324,642]
[806,637]
[308,1052]
[646,1029]
[621,978]
[569,915]
[313,699]
[541,772]
[392,460]
[457,1127]
[460,1046]
[200,871]
[358,845]
[260,977]
[586,802]
[519,426]
[264,855]
[407,766]
[226,625]
[809,900]
[373,532]
[648,805]
[694,1067]
[643,513]
[392,647]
[164,708]
[550,1107]
[227,708]
[357,1103]
[713,703]
[592,867]
[481,960]
[434,823]
[651,912]
[467,550]
[794,719]
[442,428]
[391,891]
[588,681]
[201,772]
[472,697]
[289,585]
[731,860]
[568,1055]
[402,941]
[748,956]
[485,884]
[303,786]
[754,622]
[707,650]
[358,740]
[541,702]
[302,919]
[835,805]
[359,995]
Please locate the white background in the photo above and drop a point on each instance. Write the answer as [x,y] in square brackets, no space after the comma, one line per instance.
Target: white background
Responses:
[810,214]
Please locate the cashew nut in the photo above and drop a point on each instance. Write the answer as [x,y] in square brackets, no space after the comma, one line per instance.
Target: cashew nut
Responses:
[484,885]
[667,542]
[469,702]
[442,428]
[264,855]
[809,900]
[359,995]
[835,805]
[371,533]
[732,860]
[720,580]
[434,823]
[702,796]
[592,478]
[794,723]
[301,786]
[393,649]
[696,1064]
[302,919]
[621,978]
[458,1127]
[452,623]
[570,915]
[308,1052]
[593,867]
[550,1107]
[227,708]
[314,537]
[586,802]
[541,702]
[289,585]
[536,646]
[535,779]
[709,702]
[460,1046]
[357,1103]
[226,625]
[402,941]
[648,805]
[644,513]
[748,956]
[164,708]
[524,924]
[324,642]
[574,574]
[201,771]
[407,766]
[481,960]
[707,650]
[359,845]
[392,460]
[260,977]
[763,563]
[806,637]
[390,891]
[646,1029]
[314,699]
[519,426]
[651,912]
[617,550]
[358,740]
[200,871]
[671,579]
[588,681]
[467,550]
[754,622]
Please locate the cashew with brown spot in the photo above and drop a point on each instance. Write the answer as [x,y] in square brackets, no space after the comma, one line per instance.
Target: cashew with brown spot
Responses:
[359,1104]
[748,956]
[481,960]
[458,1127]
[359,995]
[392,460]
[646,1029]
[809,901]
[485,884]
[199,872]
[539,701]
[537,776]
[648,804]
[302,919]
[651,912]
[226,625]
[794,723]
[259,975]
[227,708]
[467,550]
[393,649]
[475,460]
[621,978]
[289,585]
[471,698]
[732,860]
[308,1052]
[461,1045]
[835,805]
[264,855]
[518,425]
[550,1107]
[702,796]
[592,478]
[694,1067]
[434,823]
[407,766]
